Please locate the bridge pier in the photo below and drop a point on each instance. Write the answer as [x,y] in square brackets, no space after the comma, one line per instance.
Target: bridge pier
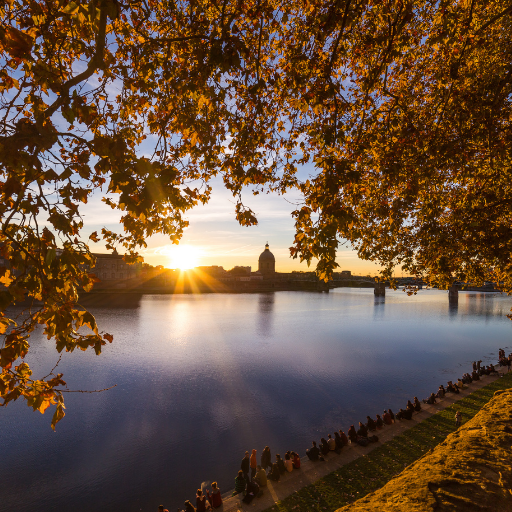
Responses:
[379,290]
[453,293]
[322,286]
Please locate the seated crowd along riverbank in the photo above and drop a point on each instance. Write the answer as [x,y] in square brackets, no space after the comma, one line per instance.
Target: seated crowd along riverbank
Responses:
[252,477]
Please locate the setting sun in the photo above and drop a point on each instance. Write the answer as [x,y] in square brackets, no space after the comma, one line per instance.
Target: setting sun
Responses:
[184,257]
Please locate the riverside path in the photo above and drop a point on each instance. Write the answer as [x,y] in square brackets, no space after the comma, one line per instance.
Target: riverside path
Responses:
[312,471]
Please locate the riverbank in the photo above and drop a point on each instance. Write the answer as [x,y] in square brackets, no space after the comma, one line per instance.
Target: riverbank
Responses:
[471,471]
[357,471]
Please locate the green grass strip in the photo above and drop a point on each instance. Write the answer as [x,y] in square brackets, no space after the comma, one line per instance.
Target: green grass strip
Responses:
[370,472]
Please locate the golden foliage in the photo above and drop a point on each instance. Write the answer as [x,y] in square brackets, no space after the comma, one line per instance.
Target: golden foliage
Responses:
[401,108]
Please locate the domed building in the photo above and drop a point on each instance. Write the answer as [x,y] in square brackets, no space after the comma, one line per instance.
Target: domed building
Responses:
[266,262]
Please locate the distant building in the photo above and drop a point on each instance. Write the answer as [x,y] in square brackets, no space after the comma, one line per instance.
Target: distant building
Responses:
[213,270]
[112,267]
[346,273]
[266,262]
[300,275]
[240,273]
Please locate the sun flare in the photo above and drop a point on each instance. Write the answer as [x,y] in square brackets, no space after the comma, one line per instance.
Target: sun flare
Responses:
[184,257]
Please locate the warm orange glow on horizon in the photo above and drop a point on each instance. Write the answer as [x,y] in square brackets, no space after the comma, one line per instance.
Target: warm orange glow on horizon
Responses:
[186,257]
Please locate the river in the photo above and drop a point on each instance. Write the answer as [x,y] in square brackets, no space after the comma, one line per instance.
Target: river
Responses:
[202,378]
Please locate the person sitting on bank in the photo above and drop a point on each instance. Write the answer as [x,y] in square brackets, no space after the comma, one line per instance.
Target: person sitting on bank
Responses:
[404,415]
[343,438]
[386,418]
[379,423]
[201,501]
[331,442]
[252,488]
[280,464]
[338,442]
[460,384]
[266,458]
[431,400]
[274,473]
[441,392]
[370,424]
[391,414]
[453,388]
[240,483]
[492,370]
[288,464]
[407,414]
[362,431]
[215,497]
[189,507]
[313,453]
[352,434]
[261,477]
[417,404]
[410,406]
[251,492]
[324,446]
[474,376]
[296,460]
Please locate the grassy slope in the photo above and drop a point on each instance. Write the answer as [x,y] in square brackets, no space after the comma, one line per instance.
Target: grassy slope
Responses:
[371,472]
[470,471]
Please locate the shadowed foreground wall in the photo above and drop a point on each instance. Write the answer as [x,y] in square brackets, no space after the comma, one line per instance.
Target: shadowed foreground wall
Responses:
[470,471]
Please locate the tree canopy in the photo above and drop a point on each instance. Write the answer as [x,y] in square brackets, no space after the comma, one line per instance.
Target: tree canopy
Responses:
[403,110]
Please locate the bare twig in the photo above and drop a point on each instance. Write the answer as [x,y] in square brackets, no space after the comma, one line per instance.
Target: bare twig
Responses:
[51,371]
[82,391]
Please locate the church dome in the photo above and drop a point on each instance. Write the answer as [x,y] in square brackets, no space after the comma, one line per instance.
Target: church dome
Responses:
[266,254]
[267,262]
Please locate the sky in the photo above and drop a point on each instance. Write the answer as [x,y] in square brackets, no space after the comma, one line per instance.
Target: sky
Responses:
[214,236]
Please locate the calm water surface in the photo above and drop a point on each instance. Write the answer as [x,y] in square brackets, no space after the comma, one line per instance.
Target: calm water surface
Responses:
[201,379]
